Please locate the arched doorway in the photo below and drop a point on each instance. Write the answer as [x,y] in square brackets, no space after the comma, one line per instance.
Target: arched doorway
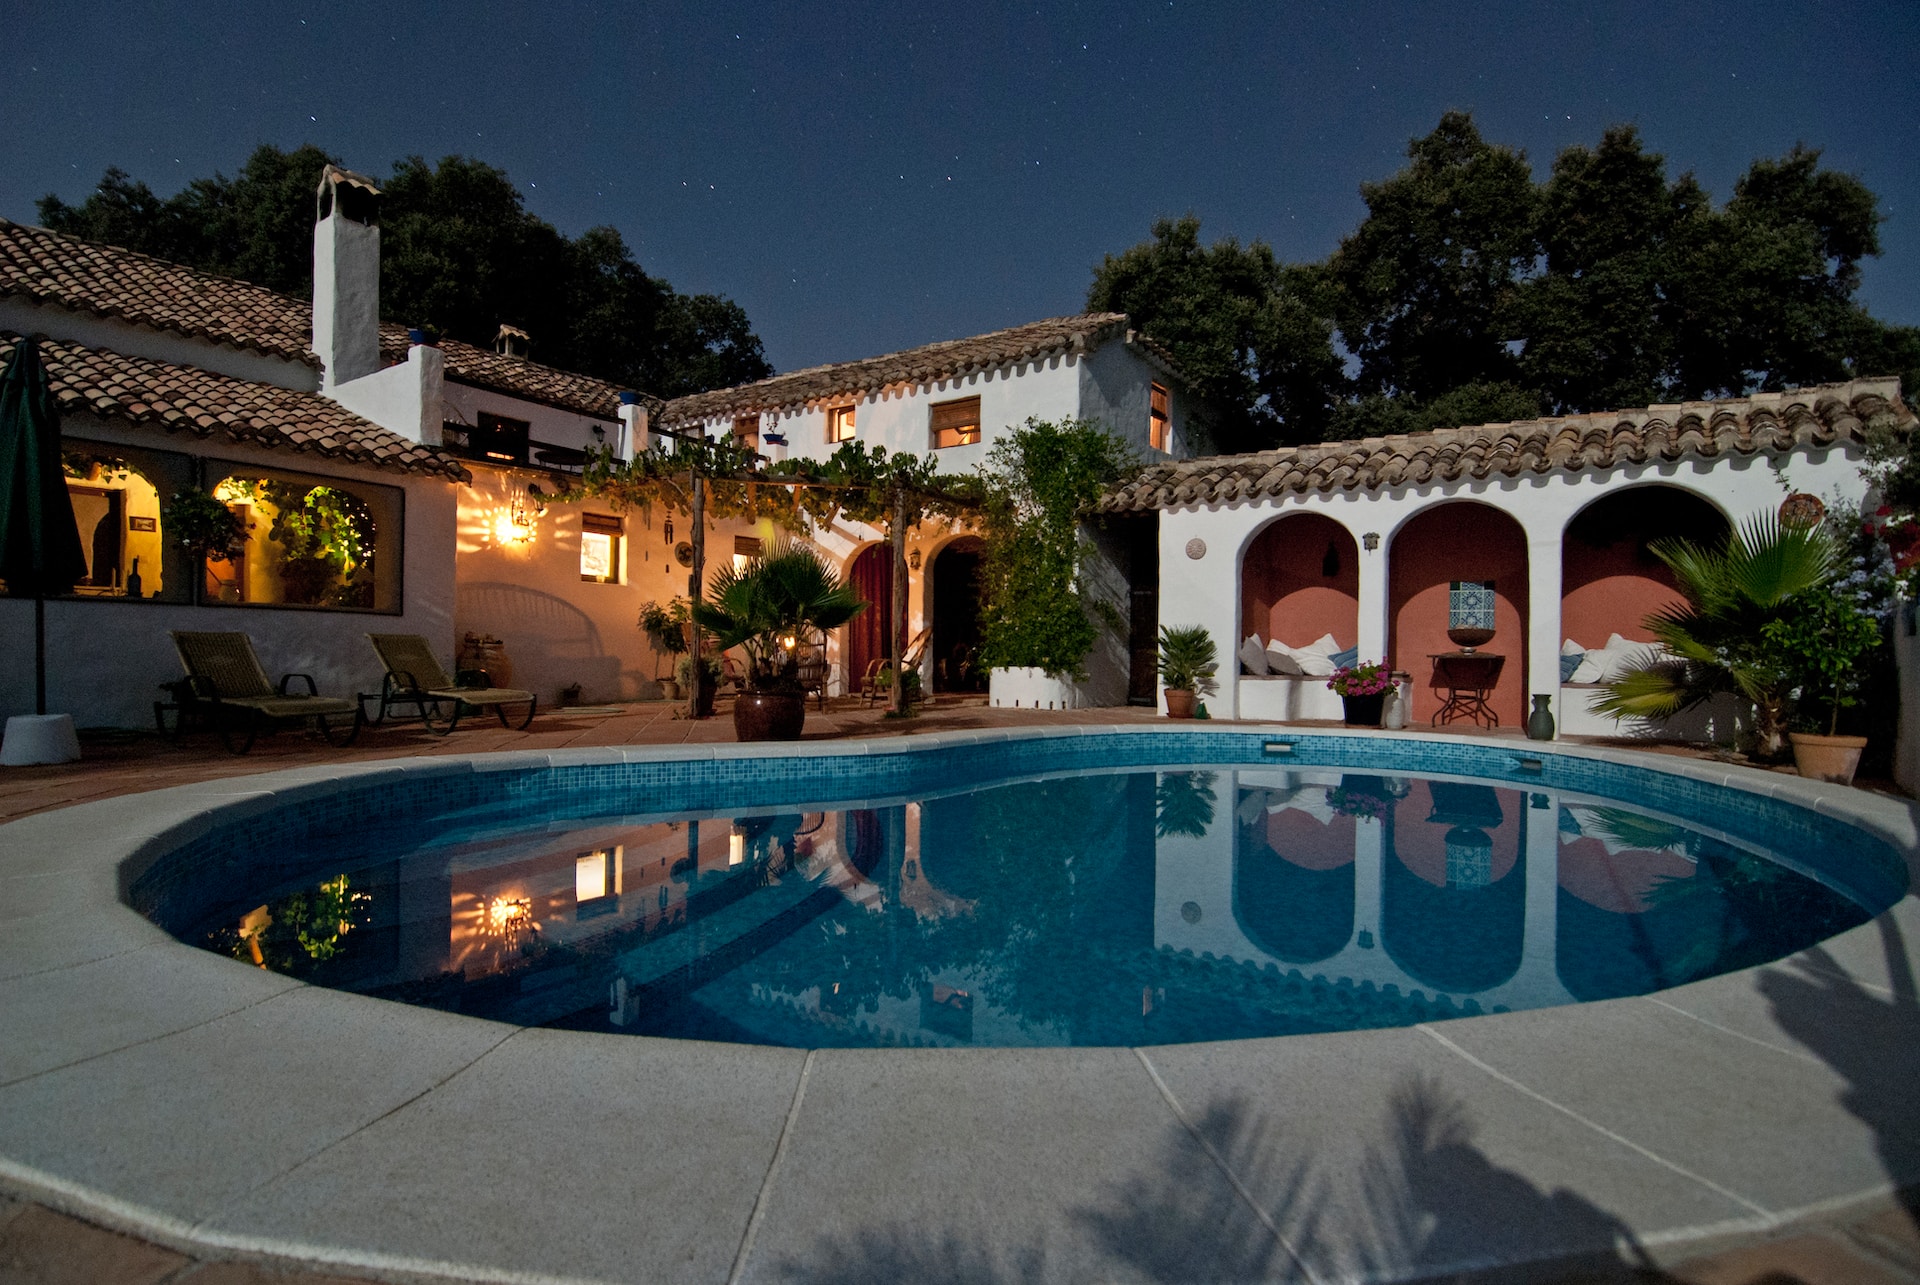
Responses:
[1293,878]
[1453,893]
[1300,580]
[956,616]
[1458,541]
[870,634]
[1610,580]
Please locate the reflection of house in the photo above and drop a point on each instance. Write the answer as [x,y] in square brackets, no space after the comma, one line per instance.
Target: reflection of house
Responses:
[381,475]
[1362,539]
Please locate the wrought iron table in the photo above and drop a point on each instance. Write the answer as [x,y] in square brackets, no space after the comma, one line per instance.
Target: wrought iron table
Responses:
[1467,679]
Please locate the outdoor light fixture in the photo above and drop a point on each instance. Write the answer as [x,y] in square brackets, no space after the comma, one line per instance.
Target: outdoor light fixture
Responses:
[539,499]
[667,526]
[1372,540]
[913,559]
[1330,565]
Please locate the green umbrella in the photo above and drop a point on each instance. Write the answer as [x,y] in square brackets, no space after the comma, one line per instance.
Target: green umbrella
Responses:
[40,549]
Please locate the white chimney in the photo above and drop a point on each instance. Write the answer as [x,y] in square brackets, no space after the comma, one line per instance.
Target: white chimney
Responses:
[633,427]
[346,276]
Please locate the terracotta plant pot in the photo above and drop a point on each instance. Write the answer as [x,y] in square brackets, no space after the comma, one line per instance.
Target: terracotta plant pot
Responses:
[1364,711]
[1179,703]
[669,690]
[769,716]
[1826,758]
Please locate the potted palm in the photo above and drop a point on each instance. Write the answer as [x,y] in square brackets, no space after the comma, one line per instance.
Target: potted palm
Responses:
[1763,618]
[1362,689]
[1188,662]
[765,608]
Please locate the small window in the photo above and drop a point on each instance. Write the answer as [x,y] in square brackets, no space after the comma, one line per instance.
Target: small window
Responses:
[495,437]
[746,432]
[956,423]
[746,547]
[600,536]
[1159,421]
[840,424]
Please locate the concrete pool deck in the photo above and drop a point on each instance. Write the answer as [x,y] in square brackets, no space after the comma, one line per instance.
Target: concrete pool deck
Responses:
[217,1111]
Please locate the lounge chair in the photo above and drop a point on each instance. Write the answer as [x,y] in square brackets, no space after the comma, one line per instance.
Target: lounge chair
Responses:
[414,677]
[228,688]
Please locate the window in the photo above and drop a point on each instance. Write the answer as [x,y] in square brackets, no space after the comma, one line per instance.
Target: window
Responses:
[311,542]
[1159,421]
[746,432]
[746,547]
[117,495]
[840,424]
[495,437]
[956,423]
[600,547]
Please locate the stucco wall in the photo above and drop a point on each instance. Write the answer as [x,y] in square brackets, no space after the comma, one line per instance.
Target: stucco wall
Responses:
[1207,590]
[1114,388]
[1286,594]
[107,656]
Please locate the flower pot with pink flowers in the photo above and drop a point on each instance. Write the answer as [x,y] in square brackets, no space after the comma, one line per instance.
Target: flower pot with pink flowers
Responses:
[1362,689]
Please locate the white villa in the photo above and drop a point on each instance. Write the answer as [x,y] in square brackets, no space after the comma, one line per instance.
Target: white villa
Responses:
[433,467]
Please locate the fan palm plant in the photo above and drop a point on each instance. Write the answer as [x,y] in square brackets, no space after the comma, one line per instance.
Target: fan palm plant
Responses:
[1720,638]
[766,606]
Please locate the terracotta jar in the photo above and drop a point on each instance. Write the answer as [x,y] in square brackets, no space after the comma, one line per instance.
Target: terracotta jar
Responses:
[769,716]
[1826,758]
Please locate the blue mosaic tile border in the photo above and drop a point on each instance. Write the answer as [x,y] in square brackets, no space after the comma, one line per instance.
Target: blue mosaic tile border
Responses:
[1863,866]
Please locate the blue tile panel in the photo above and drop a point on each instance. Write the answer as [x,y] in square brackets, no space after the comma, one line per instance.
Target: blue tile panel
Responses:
[406,805]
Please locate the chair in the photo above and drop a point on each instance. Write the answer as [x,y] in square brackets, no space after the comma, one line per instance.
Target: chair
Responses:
[414,677]
[814,674]
[227,686]
[872,688]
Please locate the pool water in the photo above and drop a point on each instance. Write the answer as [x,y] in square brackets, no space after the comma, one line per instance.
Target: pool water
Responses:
[1119,907]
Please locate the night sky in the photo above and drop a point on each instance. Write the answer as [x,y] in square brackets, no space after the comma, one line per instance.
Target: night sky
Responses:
[867,178]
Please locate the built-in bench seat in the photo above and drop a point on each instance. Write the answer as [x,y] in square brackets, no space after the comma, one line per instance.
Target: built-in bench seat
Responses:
[1287,698]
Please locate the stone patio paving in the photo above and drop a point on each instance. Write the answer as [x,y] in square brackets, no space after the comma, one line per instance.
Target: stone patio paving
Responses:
[1860,1245]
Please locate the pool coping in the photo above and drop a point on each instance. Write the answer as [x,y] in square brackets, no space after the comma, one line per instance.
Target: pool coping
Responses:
[388,1098]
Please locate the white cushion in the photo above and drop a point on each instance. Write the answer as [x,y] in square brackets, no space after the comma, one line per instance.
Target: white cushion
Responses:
[1253,655]
[1280,660]
[1572,648]
[1314,664]
[1591,668]
[1323,646]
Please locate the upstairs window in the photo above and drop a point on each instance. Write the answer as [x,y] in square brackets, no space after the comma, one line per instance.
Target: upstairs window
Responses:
[600,536]
[746,432]
[956,423]
[840,424]
[1159,421]
[495,437]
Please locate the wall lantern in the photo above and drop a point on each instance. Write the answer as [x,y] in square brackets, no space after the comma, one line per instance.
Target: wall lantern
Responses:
[1371,540]
[913,559]
[667,528]
[1330,565]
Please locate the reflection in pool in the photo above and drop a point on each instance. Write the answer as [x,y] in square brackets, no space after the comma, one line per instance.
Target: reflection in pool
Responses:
[1134,907]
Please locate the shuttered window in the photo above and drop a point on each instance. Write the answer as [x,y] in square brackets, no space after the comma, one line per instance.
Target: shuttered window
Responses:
[956,423]
[840,424]
[1159,422]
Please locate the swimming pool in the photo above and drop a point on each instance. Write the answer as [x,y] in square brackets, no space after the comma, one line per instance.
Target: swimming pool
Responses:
[1121,889]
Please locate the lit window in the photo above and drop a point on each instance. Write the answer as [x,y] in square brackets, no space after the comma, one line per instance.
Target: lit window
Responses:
[1159,422]
[745,548]
[956,423]
[840,424]
[600,548]
[309,542]
[746,432]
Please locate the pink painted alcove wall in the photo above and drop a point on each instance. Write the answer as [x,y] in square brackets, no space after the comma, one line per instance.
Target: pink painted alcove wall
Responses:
[1609,582]
[1458,541]
[1285,592]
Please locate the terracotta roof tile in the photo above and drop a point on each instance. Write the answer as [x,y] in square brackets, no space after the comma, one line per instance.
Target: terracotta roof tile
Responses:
[187,399]
[108,281]
[1765,423]
[515,376]
[914,366]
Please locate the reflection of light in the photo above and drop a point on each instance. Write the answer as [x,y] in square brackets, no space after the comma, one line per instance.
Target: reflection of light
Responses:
[506,916]
[789,642]
[1469,857]
[590,876]
[736,846]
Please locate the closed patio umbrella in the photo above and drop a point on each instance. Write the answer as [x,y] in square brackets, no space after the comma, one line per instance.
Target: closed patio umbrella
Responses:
[40,549]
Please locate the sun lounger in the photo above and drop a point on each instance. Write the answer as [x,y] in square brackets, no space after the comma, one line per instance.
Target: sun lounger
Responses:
[414,677]
[228,687]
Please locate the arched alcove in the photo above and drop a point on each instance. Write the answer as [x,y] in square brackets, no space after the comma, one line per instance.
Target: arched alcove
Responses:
[1299,580]
[1458,540]
[1293,883]
[955,611]
[1610,580]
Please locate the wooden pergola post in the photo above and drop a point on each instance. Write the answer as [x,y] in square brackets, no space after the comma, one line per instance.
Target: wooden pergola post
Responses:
[898,704]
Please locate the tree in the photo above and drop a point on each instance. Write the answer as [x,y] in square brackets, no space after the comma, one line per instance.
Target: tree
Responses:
[1250,333]
[1423,288]
[459,252]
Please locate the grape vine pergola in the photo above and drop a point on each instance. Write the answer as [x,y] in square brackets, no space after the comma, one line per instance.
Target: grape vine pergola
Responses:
[703,477]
